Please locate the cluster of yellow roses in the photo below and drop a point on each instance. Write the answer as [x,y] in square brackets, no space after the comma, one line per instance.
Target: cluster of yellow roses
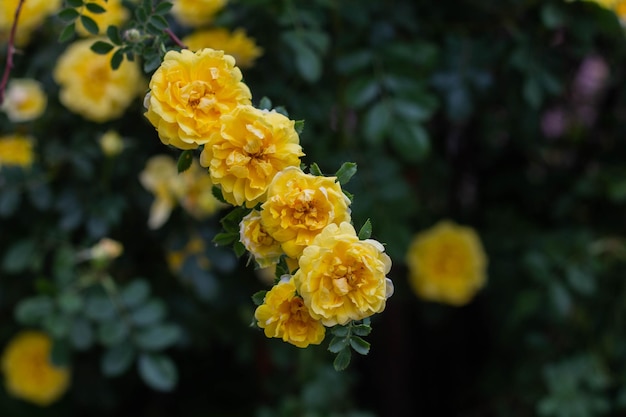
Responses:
[253,155]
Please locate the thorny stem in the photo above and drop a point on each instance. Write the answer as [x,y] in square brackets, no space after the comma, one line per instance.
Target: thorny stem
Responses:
[10,52]
[175,38]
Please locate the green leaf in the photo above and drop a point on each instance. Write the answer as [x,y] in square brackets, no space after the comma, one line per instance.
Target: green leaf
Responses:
[135,293]
[217,193]
[68,14]
[163,8]
[415,109]
[151,62]
[184,160]
[239,249]
[113,332]
[151,312]
[117,58]
[265,103]
[376,122]
[9,201]
[338,344]
[68,32]
[70,302]
[258,298]
[158,337]
[101,47]
[299,126]
[361,92]
[19,256]
[158,22]
[141,14]
[158,371]
[345,172]
[225,239]
[314,169]
[95,8]
[342,360]
[308,63]
[231,221]
[341,331]
[410,141]
[30,311]
[359,345]
[552,16]
[81,334]
[89,24]
[60,353]
[366,230]
[99,308]
[75,3]
[362,329]
[56,325]
[113,32]
[117,359]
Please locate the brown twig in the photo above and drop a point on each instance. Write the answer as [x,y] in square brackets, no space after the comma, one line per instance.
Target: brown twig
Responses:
[10,52]
[175,38]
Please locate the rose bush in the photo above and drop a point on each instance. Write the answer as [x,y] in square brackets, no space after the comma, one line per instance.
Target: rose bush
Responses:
[139,213]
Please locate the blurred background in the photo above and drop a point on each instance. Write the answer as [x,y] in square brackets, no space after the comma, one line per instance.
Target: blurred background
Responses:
[503,117]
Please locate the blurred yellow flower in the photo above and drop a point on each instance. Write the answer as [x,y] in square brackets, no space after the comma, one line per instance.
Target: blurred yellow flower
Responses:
[157,177]
[447,264]
[263,247]
[342,278]
[196,12]
[91,88]
[24,100]
[284,315]
[111,143]
[188,94]
[115,15]
[32,16]
[192,189]
[251,147]
[28,373]
[16,150]
[236,43]
[106,249]
[194,247]
[299,206]
[618,6]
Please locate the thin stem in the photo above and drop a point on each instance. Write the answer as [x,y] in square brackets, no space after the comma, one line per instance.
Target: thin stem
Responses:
[10,52]
[175,38]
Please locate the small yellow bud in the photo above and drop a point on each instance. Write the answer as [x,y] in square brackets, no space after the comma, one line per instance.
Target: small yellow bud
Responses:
[111,143]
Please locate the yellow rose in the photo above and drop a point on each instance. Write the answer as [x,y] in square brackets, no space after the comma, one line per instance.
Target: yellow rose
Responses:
[284,315]
[188,94]
[263,247]
[447,264]
[115,15]
[91,88]
[237,43]
[28,373]
[16,150]
[24,100]
[250,149]
[299,206]
[342,278]
[196,12]
[32,16]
